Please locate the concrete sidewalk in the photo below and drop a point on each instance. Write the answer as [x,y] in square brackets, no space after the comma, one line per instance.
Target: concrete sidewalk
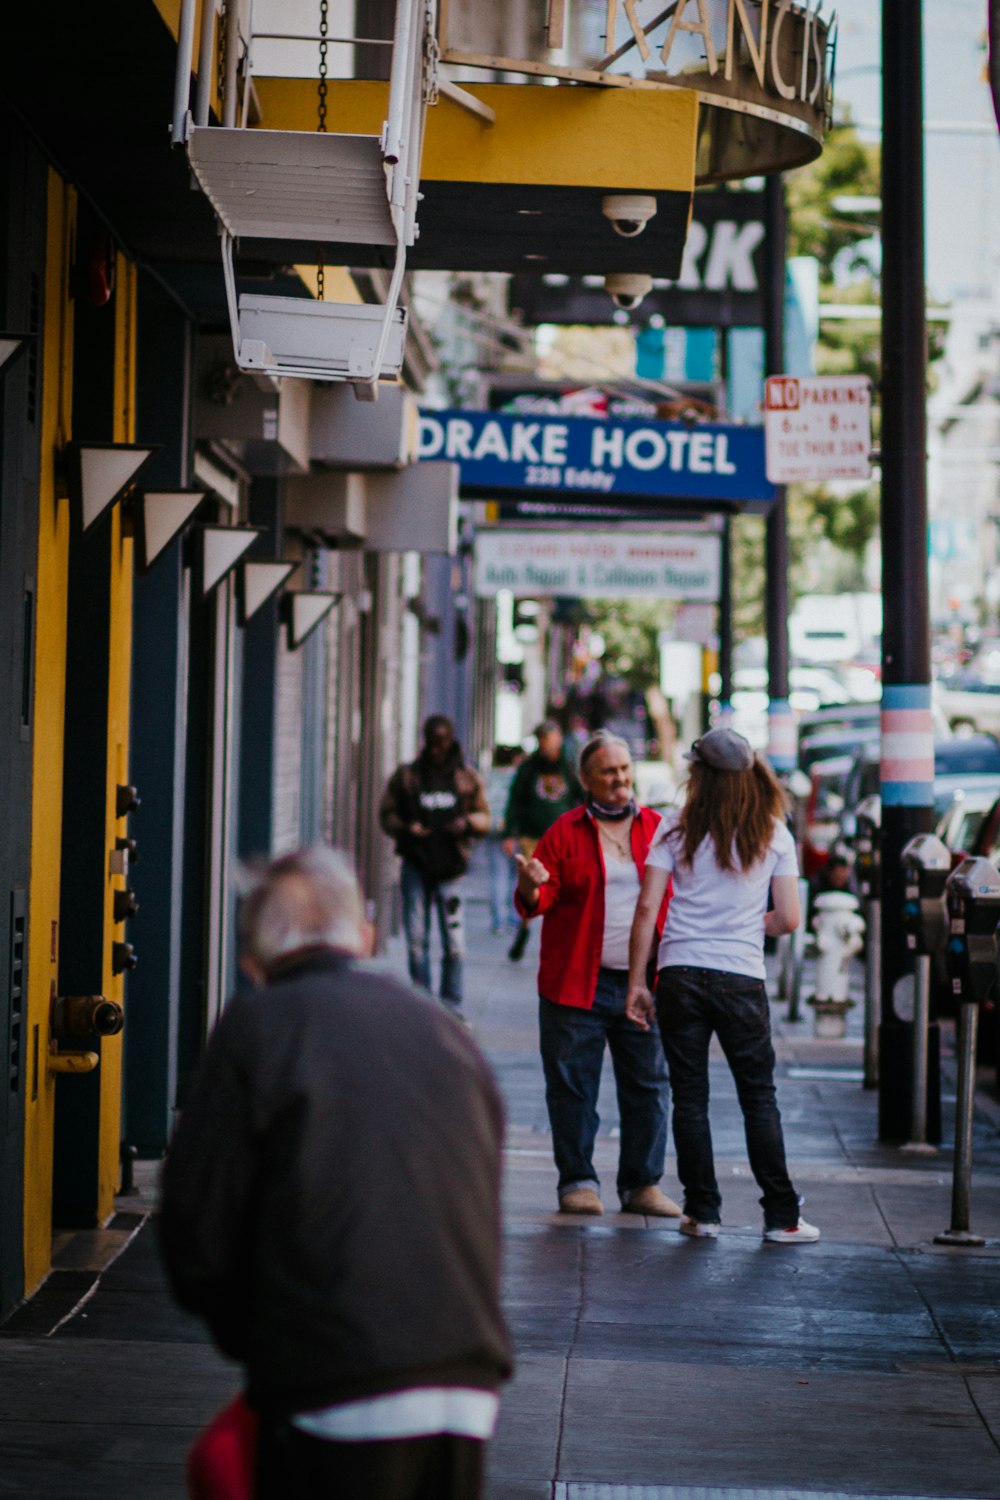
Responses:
[652,1365]
[649,1365]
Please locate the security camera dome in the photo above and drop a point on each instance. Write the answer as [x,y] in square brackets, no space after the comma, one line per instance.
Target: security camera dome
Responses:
[627,289]
[629,212]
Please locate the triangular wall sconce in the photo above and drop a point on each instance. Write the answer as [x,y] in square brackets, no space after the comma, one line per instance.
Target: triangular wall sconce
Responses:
[99,473]
[219,550]
[161,516]
[12,345]
[259,581]
[305,611]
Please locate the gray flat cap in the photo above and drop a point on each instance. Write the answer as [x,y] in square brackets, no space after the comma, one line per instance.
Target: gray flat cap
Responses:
[723,750]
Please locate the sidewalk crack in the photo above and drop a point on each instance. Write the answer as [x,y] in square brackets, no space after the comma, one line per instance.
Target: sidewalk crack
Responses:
[91,1290]
[580,1282]
[967,1382]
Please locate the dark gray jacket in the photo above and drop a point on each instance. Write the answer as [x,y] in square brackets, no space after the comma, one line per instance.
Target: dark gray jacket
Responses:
[331,1195]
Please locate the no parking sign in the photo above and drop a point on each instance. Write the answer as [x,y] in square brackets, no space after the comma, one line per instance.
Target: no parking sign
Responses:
[817,427]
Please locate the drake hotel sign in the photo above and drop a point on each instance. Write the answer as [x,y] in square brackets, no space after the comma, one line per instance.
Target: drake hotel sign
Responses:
[763,69]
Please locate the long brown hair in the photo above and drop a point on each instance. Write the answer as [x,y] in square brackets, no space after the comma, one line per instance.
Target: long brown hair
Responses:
[735,809]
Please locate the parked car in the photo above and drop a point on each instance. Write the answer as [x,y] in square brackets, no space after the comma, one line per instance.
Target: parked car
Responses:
[831,731]
[970,702]
[962,823]
[961,764]
[834,743]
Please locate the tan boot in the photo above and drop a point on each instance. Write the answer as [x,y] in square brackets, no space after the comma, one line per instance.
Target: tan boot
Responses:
[649,1200]
[580,1201]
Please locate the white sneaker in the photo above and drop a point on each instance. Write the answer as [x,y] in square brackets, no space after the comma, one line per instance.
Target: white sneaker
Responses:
[802,1234]
[699,1229]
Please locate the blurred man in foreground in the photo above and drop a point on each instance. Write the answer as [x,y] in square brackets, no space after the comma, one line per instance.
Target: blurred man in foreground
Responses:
[331,1208]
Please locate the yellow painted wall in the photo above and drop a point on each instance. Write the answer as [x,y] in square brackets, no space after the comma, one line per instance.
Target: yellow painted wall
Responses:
[170,10]
[47,763]
[118,731]
[573,137]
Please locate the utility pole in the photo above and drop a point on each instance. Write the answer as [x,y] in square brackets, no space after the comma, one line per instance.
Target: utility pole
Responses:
[725,622]
[781,724]
[907,730]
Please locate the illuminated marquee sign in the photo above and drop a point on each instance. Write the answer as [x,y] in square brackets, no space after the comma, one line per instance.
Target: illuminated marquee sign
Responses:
[499,453]
[762,68]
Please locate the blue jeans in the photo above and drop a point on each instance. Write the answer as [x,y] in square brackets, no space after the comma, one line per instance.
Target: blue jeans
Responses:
[502,876]
[421,898]
[690,1005]
[572,1043]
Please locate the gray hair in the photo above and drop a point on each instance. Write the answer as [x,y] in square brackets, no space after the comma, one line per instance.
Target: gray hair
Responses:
[602,740]
[307,899]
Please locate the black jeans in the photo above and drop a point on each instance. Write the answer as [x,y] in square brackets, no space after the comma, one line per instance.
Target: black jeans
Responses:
[292,1465]
[690,1005]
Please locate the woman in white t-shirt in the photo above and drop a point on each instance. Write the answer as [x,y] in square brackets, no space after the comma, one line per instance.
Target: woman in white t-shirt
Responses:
[727,850]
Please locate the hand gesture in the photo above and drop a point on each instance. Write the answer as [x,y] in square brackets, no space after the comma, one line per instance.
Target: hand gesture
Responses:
[531,874]
[639,1006]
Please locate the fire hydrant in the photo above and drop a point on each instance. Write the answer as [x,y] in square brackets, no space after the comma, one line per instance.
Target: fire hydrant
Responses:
[839,934]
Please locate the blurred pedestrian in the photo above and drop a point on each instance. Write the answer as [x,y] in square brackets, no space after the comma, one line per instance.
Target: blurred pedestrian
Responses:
[331,1208]
[726,850]
[583,880]
[834,875]
[546,786]
[434,808]
[502,870]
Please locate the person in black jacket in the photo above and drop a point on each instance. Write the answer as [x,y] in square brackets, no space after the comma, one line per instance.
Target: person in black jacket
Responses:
[434,808]
[331,1208]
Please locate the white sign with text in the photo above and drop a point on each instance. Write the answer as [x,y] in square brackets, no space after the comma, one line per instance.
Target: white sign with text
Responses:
[579,564]
[817,427]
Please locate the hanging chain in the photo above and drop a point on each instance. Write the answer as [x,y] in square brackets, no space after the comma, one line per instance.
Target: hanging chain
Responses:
[324,27]
[220,56]
[432,58]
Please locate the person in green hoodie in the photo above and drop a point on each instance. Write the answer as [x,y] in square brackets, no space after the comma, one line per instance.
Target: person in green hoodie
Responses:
[546,786]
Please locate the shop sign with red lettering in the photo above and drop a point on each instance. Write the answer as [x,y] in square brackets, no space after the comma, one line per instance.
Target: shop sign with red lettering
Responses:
[817,427]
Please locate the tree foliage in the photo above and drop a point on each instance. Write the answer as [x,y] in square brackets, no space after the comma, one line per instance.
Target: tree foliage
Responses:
[631,629]
[829,532]
[846,168]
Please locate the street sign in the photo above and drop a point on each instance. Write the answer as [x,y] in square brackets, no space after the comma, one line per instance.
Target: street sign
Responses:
[715,463]
[817,427]
[598,565]
[695,623]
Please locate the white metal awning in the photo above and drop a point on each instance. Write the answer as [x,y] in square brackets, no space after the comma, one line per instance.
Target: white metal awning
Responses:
[285,184]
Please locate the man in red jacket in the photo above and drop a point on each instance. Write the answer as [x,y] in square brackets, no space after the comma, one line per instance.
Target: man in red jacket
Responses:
[583,880]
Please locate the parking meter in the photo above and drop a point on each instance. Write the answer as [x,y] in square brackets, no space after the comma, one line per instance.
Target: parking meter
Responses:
[868,845]
[926,864]
[973,898]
